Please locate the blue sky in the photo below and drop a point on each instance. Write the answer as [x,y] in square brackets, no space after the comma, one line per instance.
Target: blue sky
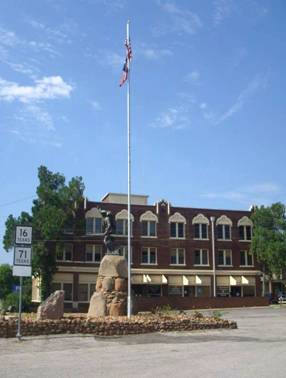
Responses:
[208,100]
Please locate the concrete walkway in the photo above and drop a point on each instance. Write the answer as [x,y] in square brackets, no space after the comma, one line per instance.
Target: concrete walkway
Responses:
[256,349]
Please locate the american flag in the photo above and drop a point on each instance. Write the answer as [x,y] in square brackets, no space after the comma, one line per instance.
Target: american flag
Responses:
[125,69]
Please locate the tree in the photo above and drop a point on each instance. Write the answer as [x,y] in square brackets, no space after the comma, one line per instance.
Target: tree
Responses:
[52,212]
[6,280]
[269,237]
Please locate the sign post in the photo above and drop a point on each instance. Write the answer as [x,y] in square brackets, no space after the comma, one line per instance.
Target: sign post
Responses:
[22,262]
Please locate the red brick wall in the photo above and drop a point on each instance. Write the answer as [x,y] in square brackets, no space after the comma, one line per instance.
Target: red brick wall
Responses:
[180,303]
[163,243]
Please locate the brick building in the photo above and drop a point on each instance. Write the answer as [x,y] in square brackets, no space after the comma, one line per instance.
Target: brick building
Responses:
[173,250]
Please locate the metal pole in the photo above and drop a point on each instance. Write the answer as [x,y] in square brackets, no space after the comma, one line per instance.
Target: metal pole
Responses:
[213,256]
[129,181]
[20,311]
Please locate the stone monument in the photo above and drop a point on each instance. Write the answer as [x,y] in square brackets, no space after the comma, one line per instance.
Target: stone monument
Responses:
[52,307]
[110,297]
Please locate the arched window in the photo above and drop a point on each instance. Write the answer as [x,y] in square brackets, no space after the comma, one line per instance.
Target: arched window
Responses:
[93,221]
[245,228]
[121,219]
[224,225]
[201,224]
[148,222]
[177,226]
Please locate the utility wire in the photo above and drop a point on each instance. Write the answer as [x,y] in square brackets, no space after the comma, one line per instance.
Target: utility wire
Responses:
[16,201]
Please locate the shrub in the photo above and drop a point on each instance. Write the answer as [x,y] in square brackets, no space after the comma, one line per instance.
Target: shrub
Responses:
[217,314]
[197,314]
[163,310]
[11,302]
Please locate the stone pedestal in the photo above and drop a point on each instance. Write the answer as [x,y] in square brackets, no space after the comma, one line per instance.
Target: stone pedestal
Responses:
[110,297]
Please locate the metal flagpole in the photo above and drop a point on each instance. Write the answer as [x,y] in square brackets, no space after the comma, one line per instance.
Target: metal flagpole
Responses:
[129,179]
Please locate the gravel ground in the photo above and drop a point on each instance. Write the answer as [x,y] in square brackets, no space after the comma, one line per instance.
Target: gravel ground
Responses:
[256,349]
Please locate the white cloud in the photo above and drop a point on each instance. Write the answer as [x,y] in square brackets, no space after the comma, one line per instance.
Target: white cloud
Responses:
[222,10]
[154,53]
[110,5]
[95,105]
[9,41]
[172,118]
[182,21]
[23,68]
[265,187]
[47,88]
[110,59]
[33,124]
[260,193]
[193,77]
[203,106]
[41,116]
[8,38]
[60,34]
[254,85]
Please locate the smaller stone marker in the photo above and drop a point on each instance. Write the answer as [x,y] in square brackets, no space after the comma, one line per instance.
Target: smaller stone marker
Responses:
[52,307]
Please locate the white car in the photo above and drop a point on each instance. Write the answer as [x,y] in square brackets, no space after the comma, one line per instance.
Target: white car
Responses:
[282,298]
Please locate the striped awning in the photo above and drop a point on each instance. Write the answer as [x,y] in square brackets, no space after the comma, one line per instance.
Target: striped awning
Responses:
[187,280]
[235,281]
[151,279]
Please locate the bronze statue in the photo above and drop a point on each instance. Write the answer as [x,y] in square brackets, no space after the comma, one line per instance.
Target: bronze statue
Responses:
[109,227]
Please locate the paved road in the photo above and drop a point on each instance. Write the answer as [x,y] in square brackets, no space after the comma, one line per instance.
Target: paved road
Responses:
[256,349]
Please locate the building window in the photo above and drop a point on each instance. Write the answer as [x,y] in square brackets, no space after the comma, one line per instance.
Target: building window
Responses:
[85,291]
[245,233]
[201,257]
[224,225]
[123,251]
[203,291]
[223,232]
[225,257]
[175,290]
[121,219]
[177,230]
[93,226]
[177,256]
[67,287]
[147,290]
[222,291]
[148,228]
[66,253]
[122,227]
[201,231]
[246,258]
[93,253]
[149,256]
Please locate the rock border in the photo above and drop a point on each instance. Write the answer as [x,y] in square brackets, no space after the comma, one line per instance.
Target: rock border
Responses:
[111,326]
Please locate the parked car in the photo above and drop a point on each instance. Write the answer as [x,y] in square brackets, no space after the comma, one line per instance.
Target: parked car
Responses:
[282,298]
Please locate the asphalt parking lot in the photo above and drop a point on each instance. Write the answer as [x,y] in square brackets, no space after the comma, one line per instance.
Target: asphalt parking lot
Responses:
[256,349]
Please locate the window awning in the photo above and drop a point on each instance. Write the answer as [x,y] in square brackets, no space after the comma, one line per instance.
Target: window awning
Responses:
[222,280]
[235,281]
[151,279]
[175,280]
[196,280]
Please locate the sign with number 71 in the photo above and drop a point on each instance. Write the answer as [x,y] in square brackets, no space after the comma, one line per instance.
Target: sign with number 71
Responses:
[22,256]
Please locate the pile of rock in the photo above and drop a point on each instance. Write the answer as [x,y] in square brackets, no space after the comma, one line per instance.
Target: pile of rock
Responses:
[110,297]
[109,326]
